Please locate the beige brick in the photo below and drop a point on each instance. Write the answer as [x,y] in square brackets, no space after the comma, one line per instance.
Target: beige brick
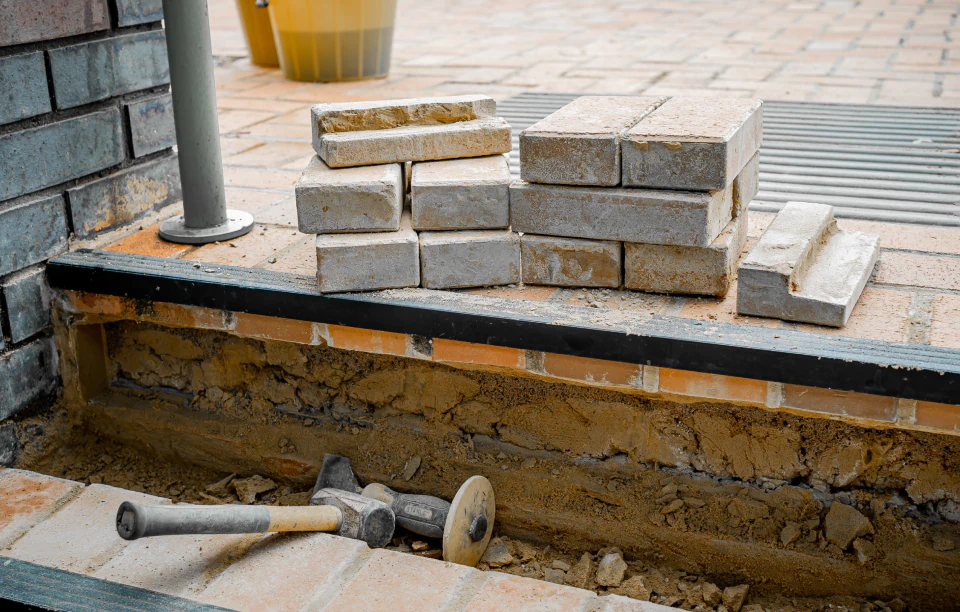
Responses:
[514,594]
[27,498]
[342,200]
[478,258]
[460,194]
[570,262]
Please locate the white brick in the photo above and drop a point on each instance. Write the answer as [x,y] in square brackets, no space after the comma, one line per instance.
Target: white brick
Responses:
[469,259]
[459,194]
[570,262]
[365,199]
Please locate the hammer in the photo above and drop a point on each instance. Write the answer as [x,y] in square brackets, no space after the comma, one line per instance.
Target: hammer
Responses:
[341,512]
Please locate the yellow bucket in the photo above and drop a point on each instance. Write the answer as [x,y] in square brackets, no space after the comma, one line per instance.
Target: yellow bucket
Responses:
[259,34]
[333,40]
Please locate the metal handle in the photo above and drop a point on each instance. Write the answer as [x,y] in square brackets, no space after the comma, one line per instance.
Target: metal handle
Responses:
[422,514]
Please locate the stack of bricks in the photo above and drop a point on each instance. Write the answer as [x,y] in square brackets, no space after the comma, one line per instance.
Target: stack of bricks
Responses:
[641,192]
[406,193]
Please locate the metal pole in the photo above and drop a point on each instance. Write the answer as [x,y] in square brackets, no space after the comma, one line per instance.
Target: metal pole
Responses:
[205,216]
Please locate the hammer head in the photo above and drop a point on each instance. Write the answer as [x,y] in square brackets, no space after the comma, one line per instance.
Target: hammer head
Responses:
[336,473]
[363,518]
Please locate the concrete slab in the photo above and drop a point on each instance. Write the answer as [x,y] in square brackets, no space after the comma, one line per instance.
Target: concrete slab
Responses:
[469,259]
[461,194]
[804,268]
[692,143]
[29,498]
[365,199]
[570,262]
[580,143]
[476,138]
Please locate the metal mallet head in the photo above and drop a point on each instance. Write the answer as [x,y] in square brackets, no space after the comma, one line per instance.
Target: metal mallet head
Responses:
[373,523]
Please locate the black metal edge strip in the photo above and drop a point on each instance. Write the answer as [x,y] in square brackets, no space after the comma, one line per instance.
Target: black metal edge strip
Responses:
[847,364]
[49,588]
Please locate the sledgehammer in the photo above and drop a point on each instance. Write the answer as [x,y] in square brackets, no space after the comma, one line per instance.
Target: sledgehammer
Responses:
[344,513]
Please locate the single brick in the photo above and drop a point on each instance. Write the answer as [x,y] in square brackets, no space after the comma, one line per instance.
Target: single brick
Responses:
[747,184]
[332,117]
[686,218]
[283,572]
[27,375]
[27,298]
[515,594]
[23,22]
[365,262]
[47,235]
[570,262]
[151,124]
[121,197]
[27,498]
[82,535]
[415,143]
[24,91]
[133,12]
[101,69]
[456,194]
[580,143]
[58,152]
[365,199]
[477,258]
[805,269]
[692,143]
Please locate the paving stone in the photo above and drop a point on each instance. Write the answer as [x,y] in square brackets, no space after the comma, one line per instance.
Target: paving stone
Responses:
[27,498]
[805,269]
[476,138]
[27,300]
[23,22]
[25,93]
[151,124]
[514,594]
[283,572]
[82,535]
[692,143]
[364,199]
[83,145]
[457,194]
[133,12]
[580,143]
[685,218]
[48,236]
[101,69]
[121,197]
[477,258]
[570,262]
[370,261]
[332,117]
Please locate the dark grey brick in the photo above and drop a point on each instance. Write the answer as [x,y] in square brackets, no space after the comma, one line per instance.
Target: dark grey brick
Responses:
[121,197]
[58,152]
[27,375]
[23,87]
[27,298]
[151,124]
[31,233]
[9,445]
[23,21]
[132,12]
[105,68]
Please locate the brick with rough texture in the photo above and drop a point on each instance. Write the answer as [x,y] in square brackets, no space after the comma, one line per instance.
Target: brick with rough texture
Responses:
[629,215]
[27,375]
[461,194]
[747,184]
[476,258]
[343,200]
[133,12]
[515,594]
[369,261]
[27,300]
[101,69]
[27,498]
[570,262]
[47,236]
[81,536]
[23,87]
[151,124]
[476,138]
[121,197]
[580,143]
[692,143]
[57,152]
[23,22]
[330,117]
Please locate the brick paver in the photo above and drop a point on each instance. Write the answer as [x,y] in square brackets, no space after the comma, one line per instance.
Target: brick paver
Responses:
[29,498]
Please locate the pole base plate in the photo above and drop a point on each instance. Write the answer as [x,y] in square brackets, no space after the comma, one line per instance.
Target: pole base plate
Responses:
[238,223]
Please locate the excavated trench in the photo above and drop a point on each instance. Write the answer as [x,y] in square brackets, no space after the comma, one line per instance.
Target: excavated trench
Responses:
[811,513]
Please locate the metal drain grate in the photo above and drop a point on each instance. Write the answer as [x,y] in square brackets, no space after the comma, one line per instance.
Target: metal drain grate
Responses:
[880,163]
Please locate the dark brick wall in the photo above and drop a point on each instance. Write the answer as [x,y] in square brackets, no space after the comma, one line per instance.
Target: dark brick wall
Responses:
[86,137]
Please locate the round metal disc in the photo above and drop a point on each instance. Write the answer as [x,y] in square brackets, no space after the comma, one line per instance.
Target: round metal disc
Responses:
[474,498]
[238,223]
